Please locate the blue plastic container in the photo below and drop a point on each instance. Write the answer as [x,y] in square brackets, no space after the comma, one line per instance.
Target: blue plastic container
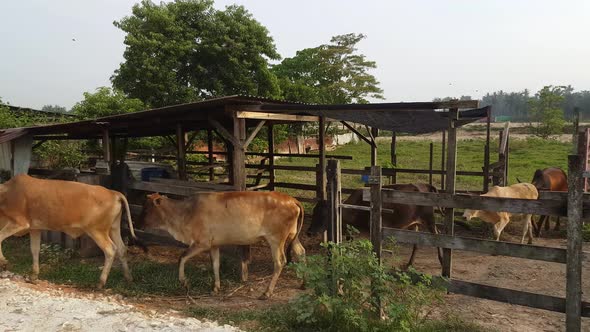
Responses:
[365,178]
[153,172]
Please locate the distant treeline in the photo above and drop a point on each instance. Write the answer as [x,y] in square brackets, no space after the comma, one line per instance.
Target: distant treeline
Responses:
[515,106]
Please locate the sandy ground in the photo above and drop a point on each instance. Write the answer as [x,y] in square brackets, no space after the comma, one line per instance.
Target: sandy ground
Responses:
[25,309]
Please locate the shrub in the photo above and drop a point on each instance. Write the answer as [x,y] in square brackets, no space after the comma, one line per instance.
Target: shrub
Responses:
[342,296]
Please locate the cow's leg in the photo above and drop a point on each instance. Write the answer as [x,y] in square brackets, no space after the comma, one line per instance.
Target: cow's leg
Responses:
[540,223]
[414,249]
[189,253]
[104,242]
[548,223]
[215,262]
[121,250]
[11,228]
[245,256]
[499,227]
[35,238]
[527,229]
[431,223]
[557,225]
[278,257]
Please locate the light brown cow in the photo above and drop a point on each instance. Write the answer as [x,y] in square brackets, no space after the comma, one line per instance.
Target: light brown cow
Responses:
[210,220]
[501,219]
[31,205]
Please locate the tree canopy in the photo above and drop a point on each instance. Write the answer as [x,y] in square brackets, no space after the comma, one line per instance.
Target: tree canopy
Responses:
[104,102]
[546,110]
[333,73]
[186,50]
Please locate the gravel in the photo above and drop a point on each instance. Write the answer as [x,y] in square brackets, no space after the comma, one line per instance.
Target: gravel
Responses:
[25,309]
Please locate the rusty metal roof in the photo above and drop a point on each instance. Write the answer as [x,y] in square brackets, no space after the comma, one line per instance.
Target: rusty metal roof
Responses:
[401,117]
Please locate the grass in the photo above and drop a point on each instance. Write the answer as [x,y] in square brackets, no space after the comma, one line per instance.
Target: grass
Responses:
[151,278]
[525,157]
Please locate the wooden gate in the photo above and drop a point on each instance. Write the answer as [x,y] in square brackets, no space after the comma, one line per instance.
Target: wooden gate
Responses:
[574,205]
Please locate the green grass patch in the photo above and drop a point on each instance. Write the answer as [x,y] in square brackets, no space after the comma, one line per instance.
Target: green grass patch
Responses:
[150,277]
[525,157]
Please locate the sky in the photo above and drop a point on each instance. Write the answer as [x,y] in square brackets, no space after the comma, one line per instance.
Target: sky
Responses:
[51,52]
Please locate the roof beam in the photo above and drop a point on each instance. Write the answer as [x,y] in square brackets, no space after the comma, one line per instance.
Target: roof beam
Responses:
[253,134]
[224,133]
[275,116]
[374,107]
[353,129]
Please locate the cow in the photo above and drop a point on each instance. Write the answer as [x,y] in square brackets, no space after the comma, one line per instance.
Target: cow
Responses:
[549,179]
[30,205]
[501,219]
[403,216]
[207,221]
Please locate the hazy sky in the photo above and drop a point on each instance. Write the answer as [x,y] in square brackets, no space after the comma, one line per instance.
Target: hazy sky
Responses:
[423,49]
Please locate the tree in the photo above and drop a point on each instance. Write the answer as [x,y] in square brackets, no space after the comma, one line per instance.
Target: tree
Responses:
[104,102]
[329,74]
[186,50]
[54,109]
[546,110]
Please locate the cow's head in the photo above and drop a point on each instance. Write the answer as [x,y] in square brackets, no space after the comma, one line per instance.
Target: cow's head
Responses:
[152,215]
[319,218]
[540,182]
[470,214]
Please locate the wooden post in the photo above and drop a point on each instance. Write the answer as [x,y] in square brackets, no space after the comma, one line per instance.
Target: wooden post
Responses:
[576,124]
[442,160]
[321,191]
[376,205]
[271,157]
[486,153]
[210,153]
[334,199]
[374,134]
[573,296]
[106,147]
[376,223]
[450,188]
[180,152]
[393,157]
[430,163]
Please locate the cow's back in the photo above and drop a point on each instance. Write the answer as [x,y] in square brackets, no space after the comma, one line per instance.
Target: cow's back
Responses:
[241,216]
[56,204]
[519,190]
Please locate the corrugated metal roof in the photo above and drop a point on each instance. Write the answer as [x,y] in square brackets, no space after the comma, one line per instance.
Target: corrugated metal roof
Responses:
[400,117]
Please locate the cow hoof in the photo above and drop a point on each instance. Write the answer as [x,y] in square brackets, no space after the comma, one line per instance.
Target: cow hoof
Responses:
[100,285]
[264,296]
[3,264]
[32,280]
[184,283]
[129,278]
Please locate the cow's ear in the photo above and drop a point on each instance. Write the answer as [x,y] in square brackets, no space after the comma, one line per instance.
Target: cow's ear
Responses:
[158,201]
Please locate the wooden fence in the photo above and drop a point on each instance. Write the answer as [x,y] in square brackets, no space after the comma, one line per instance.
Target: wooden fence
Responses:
[574,205]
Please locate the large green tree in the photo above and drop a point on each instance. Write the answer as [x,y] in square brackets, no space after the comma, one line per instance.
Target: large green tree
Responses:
[104,102]
[333,73]
[186,50]
[547,112]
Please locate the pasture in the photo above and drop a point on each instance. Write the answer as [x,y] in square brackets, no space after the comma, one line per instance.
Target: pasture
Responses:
[156,284]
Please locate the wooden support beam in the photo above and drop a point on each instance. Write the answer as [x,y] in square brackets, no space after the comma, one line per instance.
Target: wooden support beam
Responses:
[374,133]
[254,133]
[271,157]
[210,153]
[394,156]
[486,152]
[321,175]
[180,150]
[334,199]
[220,129]
[547,207]
[171,140]
[490,247]
[106,147]
[353,129]
[376,207]
[450,188]
[574,243]
[276,116]
[190,140]
[443,159]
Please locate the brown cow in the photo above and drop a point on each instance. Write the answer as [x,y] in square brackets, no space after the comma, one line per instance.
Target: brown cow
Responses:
[500,219]
[403,217]
[209,220]
[31,205]
[549,179]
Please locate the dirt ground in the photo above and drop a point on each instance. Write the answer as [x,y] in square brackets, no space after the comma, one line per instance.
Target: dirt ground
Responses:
[513,273]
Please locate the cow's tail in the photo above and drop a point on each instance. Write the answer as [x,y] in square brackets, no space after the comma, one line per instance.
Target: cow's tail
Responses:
[295,246]
[128,213]
[134,241]
[518,180]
